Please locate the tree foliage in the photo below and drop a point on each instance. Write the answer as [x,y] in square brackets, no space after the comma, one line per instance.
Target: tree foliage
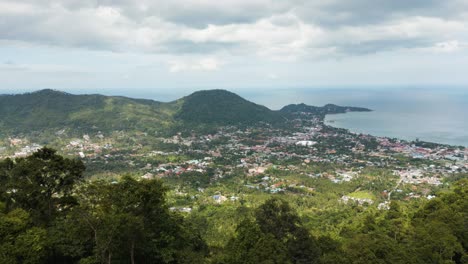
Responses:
[41,184]
[48,214]
[275,235]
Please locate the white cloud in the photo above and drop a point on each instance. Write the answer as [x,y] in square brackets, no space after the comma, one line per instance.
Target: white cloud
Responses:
[278,36]
[42,68]
[15,8]
[408,33]
[448,46]
[286,30]
[203,64]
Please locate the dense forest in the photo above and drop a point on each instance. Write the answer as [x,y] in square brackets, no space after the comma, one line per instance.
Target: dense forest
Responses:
[52,111]
[49,213]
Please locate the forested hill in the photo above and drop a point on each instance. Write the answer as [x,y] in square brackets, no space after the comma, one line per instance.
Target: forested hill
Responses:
[51,111]
[223,107]
[54,110]
[321,110]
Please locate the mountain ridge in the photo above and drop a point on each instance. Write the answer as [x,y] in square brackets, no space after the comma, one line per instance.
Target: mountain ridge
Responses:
[49,109]
[223,107]
[321,110]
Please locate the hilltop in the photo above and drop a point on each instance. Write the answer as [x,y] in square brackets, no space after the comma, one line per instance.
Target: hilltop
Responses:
[223,107]
[50,110]
[321,111]
[54,110]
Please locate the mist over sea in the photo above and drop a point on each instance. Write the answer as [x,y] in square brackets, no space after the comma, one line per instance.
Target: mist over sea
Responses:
[430,114]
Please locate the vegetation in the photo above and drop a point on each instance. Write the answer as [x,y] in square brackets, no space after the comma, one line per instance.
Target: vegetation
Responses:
[213,178]
[49,214]
[47,114]
[53,111]
[223,108]
[321,110]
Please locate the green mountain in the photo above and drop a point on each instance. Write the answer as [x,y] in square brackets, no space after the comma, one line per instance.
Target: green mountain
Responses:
[223,107]
[50,109]
[322,111]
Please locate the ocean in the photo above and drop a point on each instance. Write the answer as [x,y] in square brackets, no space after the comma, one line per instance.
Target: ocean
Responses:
[434,114]
[430,114]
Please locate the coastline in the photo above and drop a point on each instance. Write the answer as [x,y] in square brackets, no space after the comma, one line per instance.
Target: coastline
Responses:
[331,120]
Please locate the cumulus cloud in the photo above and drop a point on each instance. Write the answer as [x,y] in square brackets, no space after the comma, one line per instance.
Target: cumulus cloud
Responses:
[204,64]
[288,30]
[39,68]
[283,36]
[448,46]
[411,32]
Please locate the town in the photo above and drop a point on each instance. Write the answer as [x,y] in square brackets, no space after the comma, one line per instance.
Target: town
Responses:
[289,159]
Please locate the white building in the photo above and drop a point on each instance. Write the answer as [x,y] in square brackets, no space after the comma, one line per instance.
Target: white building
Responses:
[305,143]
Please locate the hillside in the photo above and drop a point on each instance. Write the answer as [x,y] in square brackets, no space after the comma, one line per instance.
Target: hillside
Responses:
[223,107]
[323,110]
[50,109]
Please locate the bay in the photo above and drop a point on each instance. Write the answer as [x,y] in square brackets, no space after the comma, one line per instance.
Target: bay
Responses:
[434,114]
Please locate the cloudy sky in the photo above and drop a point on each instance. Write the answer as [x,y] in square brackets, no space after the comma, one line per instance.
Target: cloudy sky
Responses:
[175,45]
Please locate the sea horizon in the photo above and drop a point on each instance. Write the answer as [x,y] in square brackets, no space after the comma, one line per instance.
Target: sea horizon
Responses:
[429,114]
[409,113]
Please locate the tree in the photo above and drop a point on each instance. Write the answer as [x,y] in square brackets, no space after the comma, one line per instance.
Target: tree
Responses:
[239,248]
[130,222]
[41,183]
[277,218]
[19,242]
[331,250]
[302,247]
[5,168]
[276,235]
[269,250]
[441,229]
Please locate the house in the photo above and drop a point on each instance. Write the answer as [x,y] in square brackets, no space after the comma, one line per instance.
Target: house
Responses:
[257,170]
[360,201]
[305,143]
[16,141]
[219,198]
[181,209]
[148,176]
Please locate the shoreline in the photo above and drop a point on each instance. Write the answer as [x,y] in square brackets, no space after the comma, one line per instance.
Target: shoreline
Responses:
[334,123]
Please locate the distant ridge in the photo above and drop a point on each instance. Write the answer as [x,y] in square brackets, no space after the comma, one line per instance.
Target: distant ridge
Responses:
[50,92]
[321,111]
[223,107]
[51,110]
